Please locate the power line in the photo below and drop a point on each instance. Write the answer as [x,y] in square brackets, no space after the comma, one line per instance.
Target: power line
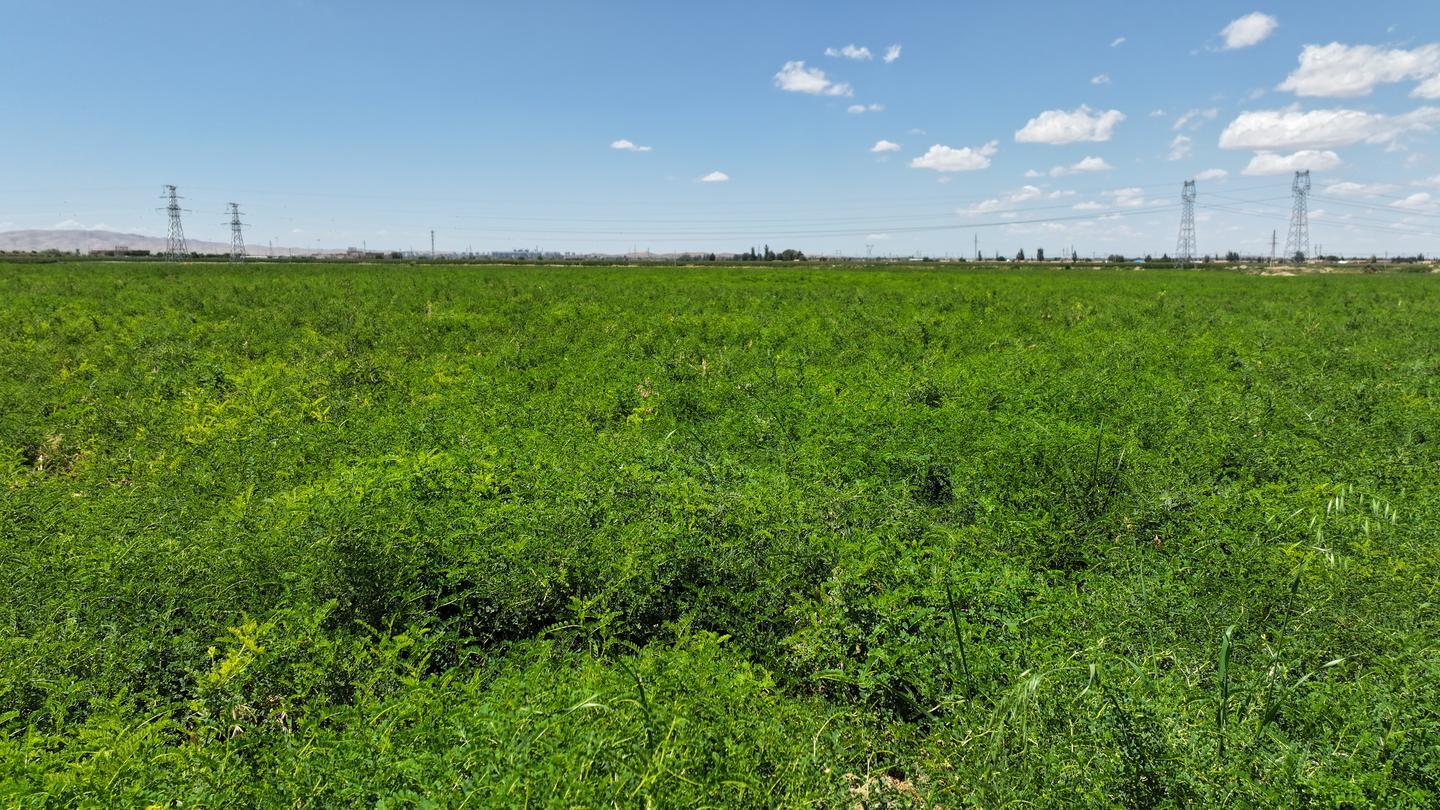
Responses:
[1389,209]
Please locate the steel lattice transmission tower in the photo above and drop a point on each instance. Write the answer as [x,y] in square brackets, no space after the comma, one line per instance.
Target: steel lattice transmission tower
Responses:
[175,247]
[237,234]
[1297,244]
[1185,245]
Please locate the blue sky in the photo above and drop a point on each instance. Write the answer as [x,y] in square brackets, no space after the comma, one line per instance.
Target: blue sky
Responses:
[1029,124]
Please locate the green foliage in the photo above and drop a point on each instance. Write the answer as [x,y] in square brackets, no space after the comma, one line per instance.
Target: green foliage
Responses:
[584,536]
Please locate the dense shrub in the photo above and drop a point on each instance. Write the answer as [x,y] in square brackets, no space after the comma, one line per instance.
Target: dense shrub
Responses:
[761,536]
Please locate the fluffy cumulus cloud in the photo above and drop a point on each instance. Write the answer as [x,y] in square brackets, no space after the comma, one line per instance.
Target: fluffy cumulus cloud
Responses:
[1061,126]
[715,177]
[1252,29]
[942,158]
[856,109]
[850,52]
[883,145]
[1088,164]
[794,77]
[1347,188]
[1211,174]
[1338,70]
[628,146]
[892,53]
[1127,197]
[1291,128]
[1267,163]
[1179,148]
[1419,201]
[1023,194]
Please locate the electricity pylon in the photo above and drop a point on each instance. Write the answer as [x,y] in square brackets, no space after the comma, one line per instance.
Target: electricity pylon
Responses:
[1185,244]
[237,234]
[1297,244]
[175,247]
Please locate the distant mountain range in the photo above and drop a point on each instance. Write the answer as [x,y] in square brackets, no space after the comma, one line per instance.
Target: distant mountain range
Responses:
[85,241]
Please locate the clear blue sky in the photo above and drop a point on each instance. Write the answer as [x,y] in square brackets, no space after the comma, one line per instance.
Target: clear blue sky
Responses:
[337,123]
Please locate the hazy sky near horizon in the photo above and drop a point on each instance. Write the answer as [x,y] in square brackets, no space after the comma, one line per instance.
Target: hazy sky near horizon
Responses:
[909,126]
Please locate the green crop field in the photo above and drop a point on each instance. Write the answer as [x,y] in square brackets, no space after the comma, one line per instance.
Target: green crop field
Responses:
[480,536]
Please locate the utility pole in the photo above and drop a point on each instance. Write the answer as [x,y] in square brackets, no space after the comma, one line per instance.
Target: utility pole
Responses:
[977,247]
[1272,246]
[1185,244]
[175,247]
[432,244]
[1297,243]
[237,235]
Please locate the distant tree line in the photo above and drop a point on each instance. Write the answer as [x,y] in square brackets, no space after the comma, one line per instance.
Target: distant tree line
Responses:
[787,255]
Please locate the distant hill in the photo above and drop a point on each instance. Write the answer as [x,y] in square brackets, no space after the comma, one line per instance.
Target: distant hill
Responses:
[88,240]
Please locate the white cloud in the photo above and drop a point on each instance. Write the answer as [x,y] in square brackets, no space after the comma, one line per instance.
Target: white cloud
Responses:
[850,52]
[628,146]
[1321,129]
[982,207]
[892,53]
[1088,164]
[1127,197]
[947,159]
[1059,126]
[1349,189]
[715,177]
[1034,173]
[1266,163]
[1211,174]
[1249,30]
[1103,78]
[794,77]
[1419,201]
[1338,70]
[856,109]
[1023,194]
[1179,148]
[66,225]
[1158,113]
[883,145]
[1117,42]
[1089,205]
[1194,119]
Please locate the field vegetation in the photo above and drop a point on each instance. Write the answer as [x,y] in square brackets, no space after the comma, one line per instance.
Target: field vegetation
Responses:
[721,536]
